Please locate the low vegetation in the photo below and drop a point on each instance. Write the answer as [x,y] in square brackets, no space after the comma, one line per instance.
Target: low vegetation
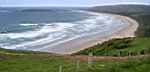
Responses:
[120,47]
[144,25]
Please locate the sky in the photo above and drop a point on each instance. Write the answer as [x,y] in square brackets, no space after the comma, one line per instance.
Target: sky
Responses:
[80,3]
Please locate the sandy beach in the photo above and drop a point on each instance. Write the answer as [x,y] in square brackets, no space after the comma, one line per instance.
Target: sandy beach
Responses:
[75,45]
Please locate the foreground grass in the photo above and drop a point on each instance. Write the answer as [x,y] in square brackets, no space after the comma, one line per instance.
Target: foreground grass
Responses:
[24,61]
[120,47]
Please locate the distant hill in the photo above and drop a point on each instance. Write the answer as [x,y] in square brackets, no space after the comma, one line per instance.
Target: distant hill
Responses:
[36,10]
[122,9]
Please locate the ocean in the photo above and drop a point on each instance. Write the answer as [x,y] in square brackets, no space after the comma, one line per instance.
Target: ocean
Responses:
[37,28]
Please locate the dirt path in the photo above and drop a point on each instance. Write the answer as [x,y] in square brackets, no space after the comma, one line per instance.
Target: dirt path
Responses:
[103,58]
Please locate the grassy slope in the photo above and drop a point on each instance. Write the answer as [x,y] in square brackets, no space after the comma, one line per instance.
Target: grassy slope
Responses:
[122,47]
[15,61]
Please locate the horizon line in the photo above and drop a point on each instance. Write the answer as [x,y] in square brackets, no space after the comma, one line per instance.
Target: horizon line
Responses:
[105,4]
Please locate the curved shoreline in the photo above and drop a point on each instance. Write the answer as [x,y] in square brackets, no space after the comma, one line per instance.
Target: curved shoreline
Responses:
[82,43]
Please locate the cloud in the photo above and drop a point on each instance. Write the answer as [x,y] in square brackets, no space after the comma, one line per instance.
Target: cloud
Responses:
[67,2]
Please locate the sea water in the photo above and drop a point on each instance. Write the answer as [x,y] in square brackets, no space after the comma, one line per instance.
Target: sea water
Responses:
[36,28]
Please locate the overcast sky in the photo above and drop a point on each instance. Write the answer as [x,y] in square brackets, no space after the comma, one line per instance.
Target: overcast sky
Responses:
[67,2]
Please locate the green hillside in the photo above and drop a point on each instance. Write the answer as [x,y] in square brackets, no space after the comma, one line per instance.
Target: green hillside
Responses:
[120,47]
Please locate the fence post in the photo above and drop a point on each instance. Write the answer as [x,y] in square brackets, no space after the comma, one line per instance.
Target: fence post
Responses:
[90,60]
[60,68]
[77,65]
